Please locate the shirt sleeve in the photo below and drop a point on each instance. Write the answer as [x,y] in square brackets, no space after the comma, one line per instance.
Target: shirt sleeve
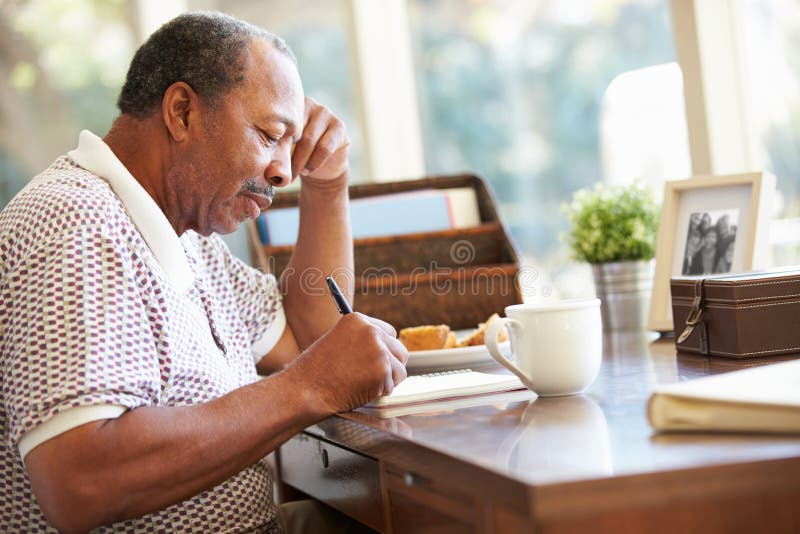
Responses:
[76,331]
[257,296]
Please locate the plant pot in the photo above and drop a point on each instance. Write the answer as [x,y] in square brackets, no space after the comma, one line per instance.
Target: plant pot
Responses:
[624,290]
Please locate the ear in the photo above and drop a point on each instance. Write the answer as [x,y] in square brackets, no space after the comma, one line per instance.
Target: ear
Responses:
[180,109]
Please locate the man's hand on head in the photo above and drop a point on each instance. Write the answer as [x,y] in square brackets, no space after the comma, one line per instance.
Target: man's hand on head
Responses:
[320,158]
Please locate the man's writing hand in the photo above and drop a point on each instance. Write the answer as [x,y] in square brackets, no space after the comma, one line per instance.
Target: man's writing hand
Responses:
[358,360]
[321,154]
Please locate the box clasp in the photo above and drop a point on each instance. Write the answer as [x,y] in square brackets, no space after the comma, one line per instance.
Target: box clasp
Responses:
[693,319]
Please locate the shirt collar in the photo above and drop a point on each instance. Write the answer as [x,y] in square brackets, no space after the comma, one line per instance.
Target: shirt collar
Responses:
[95,156]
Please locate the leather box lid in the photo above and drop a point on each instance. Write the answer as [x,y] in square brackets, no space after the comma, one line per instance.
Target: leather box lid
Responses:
[739,288]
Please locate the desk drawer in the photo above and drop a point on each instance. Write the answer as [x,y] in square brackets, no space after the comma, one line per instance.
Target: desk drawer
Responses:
[348,481]
[419,505]
[415,504]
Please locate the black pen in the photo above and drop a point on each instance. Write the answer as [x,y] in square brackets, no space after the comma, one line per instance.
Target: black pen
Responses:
[338,297]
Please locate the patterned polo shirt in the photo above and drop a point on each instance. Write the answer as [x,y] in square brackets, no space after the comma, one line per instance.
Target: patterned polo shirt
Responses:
[103,309]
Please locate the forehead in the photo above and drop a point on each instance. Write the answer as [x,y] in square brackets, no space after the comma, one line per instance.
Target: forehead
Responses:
[272,86]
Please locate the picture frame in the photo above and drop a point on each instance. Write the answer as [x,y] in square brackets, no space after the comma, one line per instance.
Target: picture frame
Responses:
[737,204]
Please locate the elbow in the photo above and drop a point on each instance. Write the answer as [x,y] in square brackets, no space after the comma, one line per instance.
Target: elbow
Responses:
[67,525]
[75,491]
[72,504]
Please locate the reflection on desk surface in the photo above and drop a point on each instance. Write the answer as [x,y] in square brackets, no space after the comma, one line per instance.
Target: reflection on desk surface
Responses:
[602,433]
[557,435]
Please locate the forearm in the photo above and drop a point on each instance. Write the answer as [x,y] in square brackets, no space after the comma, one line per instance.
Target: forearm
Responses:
[151,458]
[324,246]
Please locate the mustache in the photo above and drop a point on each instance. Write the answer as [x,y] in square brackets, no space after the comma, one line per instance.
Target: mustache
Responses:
[251,186]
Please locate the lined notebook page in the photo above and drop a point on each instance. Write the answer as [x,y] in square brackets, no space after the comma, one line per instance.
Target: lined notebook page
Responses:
[502,399]
[435,386]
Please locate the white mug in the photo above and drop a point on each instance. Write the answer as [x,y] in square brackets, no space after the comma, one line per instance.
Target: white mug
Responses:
[557,346]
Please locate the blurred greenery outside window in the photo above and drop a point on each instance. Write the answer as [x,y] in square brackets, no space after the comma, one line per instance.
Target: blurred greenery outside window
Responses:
[772,33]
[62,64]
[513,90]
[772,38]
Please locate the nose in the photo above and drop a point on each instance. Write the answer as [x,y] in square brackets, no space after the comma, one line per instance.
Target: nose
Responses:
[279,170]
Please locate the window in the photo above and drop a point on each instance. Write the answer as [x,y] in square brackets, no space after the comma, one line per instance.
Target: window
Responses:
[513,90]
[772,35]
[64,63]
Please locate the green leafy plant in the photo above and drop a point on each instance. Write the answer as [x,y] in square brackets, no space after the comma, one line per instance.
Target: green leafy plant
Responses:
[613,223]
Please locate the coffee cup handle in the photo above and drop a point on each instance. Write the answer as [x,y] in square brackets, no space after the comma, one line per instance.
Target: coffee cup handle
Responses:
[494,350]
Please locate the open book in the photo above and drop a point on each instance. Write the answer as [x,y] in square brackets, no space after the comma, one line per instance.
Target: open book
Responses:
[758,399]
[445,390]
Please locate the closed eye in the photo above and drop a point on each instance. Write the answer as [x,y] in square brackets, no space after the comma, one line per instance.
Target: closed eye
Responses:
[268,139]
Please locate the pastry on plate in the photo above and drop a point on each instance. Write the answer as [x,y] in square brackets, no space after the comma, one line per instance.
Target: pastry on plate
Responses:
[452,340]
[478,336]
[436,337]
[427,337]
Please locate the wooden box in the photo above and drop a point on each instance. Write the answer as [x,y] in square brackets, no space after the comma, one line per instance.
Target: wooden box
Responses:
[457,277]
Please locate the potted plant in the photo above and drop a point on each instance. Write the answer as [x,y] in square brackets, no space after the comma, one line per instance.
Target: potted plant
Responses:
[614,229]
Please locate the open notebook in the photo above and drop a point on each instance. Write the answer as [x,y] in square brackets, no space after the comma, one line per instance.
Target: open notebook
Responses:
[759,399]
[420,393]
[453,403]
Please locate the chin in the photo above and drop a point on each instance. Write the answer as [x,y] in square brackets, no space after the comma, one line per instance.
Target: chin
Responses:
[225,222]
[226,228]
[231,225]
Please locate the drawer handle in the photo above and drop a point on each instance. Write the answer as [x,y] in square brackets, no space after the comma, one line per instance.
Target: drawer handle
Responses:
[411,479]
[325,460]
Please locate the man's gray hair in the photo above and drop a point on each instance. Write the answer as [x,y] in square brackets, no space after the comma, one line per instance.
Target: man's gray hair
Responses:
[203,49]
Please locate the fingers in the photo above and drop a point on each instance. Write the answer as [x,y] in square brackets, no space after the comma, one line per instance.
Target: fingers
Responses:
[395,372]
[389,334]
[386,327]
[397,360]
[399,372]
[397,349]
[324,141]
[331,142]
[313,129]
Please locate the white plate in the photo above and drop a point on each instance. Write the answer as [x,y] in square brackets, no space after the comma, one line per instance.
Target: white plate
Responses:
[455,357]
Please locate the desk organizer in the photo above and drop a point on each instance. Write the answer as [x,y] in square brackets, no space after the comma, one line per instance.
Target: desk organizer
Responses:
[457,277]
[738,316]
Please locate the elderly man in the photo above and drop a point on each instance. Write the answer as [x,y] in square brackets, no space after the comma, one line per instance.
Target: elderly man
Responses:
[130,337]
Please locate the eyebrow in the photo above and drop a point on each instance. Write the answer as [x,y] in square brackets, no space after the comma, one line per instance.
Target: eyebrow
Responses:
[288,122]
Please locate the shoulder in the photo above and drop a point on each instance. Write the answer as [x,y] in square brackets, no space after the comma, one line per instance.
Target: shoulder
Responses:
[62,193]
[63,198]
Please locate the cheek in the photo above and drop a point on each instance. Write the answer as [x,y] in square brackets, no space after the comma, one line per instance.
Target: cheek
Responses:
[249,160]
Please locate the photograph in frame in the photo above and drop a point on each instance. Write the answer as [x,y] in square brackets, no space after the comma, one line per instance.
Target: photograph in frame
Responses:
[710,242]
[710,225]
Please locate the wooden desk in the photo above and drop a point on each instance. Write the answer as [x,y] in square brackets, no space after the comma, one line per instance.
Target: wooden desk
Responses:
[580,464]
